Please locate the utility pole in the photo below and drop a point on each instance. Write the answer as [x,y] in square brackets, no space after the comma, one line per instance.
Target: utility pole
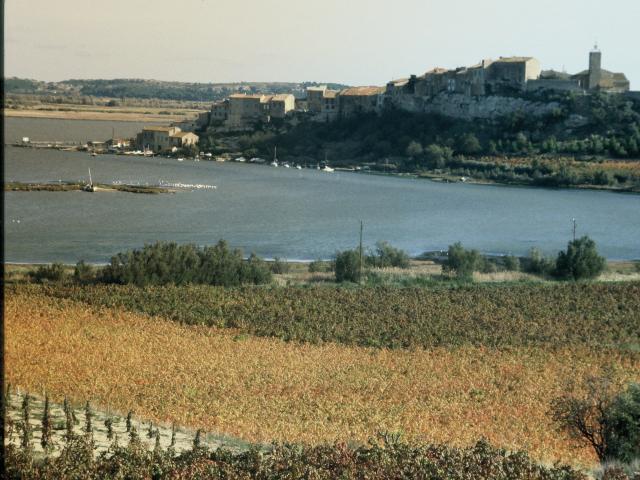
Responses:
[574,229]
[360,273]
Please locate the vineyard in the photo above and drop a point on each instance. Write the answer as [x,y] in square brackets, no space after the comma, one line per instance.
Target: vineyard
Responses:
[389,457]
[499,315]
[263,389]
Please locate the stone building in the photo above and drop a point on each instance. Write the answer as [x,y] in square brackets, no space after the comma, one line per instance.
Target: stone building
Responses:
[219,112]
[183,139]
[359,100]
[597,78]
[315,96]
[554,80]
[507,74]
[247,109]
[511,74]
[329,108]
[161,138]
[244,110]
[323,103]
[281,105]
[156,138]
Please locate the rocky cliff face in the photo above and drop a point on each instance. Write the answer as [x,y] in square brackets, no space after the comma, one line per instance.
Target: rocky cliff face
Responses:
[469,108]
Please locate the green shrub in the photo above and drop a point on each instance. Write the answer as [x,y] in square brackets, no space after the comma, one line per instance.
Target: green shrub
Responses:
[254,271]
[388,256]
[622,435]
[462,262]
[511,263]
[602,416]
[279,266]
[83,272]
[169,263]
[580,261]
[348,266]
[52,273]
[538,264]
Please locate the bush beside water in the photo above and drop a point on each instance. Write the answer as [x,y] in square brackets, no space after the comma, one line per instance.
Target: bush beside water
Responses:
[169,263]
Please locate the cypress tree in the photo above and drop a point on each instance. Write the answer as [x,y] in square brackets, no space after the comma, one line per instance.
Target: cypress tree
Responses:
[129,415]
[88,427]
[26,427]
[157,448]
[68,415]
[173,435]
[6,404]
[196,440]
[109,424]
[134,439]
[45,439]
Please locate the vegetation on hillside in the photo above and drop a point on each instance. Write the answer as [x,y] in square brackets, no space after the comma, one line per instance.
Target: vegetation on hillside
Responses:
[121,88]
[599,315]
[389,457]
[570,146]
[260,389]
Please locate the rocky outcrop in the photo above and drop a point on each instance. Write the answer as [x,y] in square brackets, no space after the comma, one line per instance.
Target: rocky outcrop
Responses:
[469,108]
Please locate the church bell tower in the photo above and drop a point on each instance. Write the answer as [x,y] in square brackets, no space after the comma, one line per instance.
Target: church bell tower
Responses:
[595,62]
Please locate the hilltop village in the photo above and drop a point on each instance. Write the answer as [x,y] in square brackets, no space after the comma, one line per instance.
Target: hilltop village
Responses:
[487,89]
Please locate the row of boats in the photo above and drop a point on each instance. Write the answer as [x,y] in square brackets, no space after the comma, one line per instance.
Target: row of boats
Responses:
[275,163]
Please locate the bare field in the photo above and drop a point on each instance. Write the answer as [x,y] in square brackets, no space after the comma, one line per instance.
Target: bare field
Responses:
[125,114]
[261,389]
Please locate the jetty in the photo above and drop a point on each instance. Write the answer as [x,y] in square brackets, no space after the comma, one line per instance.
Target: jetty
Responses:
[52,144]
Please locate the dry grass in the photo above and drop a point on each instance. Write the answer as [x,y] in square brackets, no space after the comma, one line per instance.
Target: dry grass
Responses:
[261,389]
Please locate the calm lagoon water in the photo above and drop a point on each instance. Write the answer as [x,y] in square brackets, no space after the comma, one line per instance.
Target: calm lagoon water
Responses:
[294,214]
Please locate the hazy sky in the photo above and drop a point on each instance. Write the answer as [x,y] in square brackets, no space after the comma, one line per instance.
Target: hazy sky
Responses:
[358,42]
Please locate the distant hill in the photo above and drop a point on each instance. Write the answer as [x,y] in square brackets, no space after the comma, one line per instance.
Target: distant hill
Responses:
[138,88]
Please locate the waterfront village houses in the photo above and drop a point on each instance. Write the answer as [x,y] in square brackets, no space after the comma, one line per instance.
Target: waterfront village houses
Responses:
[161,139]
[504,76]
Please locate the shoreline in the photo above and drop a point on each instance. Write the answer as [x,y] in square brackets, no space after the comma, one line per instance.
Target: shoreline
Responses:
[78,187]
[489,183]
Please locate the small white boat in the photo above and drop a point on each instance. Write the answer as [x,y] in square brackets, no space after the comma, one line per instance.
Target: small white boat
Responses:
[274,163]
[286,165]
[298,167]
[275,157]
[241,159]
[181,159]
[94,154]
[328,169]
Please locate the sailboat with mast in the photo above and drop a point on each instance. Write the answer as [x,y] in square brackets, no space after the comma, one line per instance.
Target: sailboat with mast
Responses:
[327,168]
[89,186]
[275,157]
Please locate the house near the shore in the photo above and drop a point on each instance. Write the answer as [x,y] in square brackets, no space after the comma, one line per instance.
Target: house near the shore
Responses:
[183,139]
[163,138]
